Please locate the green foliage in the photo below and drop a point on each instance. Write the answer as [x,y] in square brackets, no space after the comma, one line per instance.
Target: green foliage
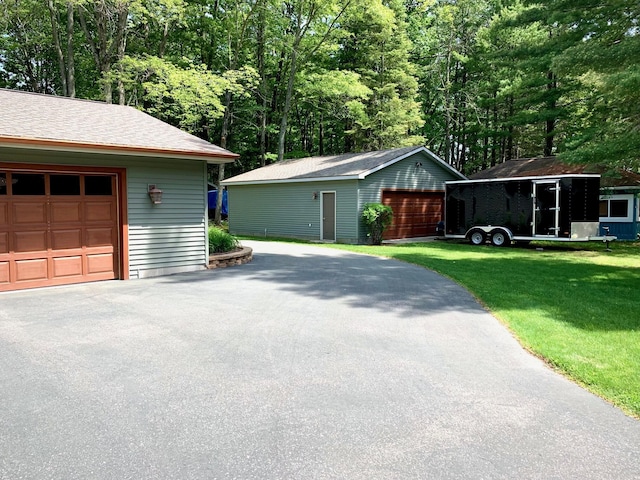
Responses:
[376,217]
[186,95]
[377,47]
[477,81]
[221,241]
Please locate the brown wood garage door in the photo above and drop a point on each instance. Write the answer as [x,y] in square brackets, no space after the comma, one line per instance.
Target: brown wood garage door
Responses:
[57,228]
[415,213]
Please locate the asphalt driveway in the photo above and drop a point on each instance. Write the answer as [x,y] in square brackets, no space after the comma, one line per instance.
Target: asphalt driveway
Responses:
[308,363]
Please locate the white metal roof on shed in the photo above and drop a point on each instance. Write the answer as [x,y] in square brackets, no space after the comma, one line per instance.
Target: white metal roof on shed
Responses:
[30,120]
[332,167]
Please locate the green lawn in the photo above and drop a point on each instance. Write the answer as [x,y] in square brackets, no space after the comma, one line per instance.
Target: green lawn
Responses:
[578,307]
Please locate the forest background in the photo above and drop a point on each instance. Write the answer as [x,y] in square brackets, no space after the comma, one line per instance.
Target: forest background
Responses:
[477,81]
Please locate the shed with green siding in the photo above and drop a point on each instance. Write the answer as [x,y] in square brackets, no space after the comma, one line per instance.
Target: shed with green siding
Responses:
[321,198]
[75,203]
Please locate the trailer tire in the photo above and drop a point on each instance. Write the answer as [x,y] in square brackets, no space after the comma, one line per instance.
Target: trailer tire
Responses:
[499,238]
[477,237]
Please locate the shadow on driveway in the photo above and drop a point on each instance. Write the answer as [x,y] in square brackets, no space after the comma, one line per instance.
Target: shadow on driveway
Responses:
[361,281]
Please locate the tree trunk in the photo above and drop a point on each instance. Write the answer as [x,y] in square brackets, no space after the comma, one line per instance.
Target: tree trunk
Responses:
[71,64]
[57,45]
[287,101]
[120,40]
[508,154]
[321,135]
[551,122]
[495,129]
[262,92]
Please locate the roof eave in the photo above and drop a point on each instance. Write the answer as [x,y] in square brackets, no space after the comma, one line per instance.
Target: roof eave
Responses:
[429,153]
[291,180]
[79,147]
[533,177]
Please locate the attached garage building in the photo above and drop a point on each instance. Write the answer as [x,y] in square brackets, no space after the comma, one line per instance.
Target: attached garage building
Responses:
[321,198]
[75,178]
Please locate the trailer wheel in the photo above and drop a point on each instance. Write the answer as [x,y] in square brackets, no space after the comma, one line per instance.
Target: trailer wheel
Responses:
[477,237]
[499,238]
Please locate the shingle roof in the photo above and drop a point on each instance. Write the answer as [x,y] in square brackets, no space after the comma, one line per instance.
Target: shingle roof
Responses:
[540,166]
[36,119]
[349,165]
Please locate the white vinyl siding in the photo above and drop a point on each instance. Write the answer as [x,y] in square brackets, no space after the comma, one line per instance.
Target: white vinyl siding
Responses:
[290,210]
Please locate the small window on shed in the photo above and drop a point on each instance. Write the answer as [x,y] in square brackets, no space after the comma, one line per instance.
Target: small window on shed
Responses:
[98,185]
[27,184]
[64,184]
[618,208]
[3,183]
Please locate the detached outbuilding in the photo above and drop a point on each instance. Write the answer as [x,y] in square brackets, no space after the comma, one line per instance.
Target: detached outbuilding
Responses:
[619,207]
[92,191]
[321,198]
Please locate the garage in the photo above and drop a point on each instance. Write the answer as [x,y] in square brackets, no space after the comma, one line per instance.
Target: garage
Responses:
[58,227]
[415,213]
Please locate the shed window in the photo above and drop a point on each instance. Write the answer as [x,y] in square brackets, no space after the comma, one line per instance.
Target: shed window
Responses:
[616,208]
[3,183]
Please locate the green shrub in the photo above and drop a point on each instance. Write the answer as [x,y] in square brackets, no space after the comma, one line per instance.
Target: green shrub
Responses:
[376,217]
[221,241]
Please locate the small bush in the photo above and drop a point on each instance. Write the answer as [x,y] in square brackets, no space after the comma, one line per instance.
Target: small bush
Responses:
[376,217]
[221,241]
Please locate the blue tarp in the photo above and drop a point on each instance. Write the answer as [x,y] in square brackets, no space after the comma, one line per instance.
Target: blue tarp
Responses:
[213,196]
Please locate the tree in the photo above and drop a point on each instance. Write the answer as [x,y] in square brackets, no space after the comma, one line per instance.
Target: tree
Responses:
[377,48]
[602,53]
[104,23]
[27,60]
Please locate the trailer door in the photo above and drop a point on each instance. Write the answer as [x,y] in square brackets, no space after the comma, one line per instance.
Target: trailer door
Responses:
[546,207]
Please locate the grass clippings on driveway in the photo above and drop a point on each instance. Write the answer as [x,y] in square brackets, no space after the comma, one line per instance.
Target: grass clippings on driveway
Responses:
[577,307]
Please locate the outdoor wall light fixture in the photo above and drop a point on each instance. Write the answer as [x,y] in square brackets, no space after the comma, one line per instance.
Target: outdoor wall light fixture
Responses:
[314,195]
[155,194]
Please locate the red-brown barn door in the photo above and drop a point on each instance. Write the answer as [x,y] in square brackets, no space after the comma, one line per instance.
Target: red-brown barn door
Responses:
[415,213]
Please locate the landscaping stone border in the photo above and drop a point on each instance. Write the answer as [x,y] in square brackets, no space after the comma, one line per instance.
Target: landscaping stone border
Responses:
[229,259]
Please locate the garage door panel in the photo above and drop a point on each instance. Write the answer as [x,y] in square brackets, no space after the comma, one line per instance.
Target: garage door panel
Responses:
[65,239]
[4,272]
[67,266]
[100,263]
[4,242]
[30,241]
[97,237]
[34,269]
[62,212]
[29,212]
[4,214]
[99,211]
